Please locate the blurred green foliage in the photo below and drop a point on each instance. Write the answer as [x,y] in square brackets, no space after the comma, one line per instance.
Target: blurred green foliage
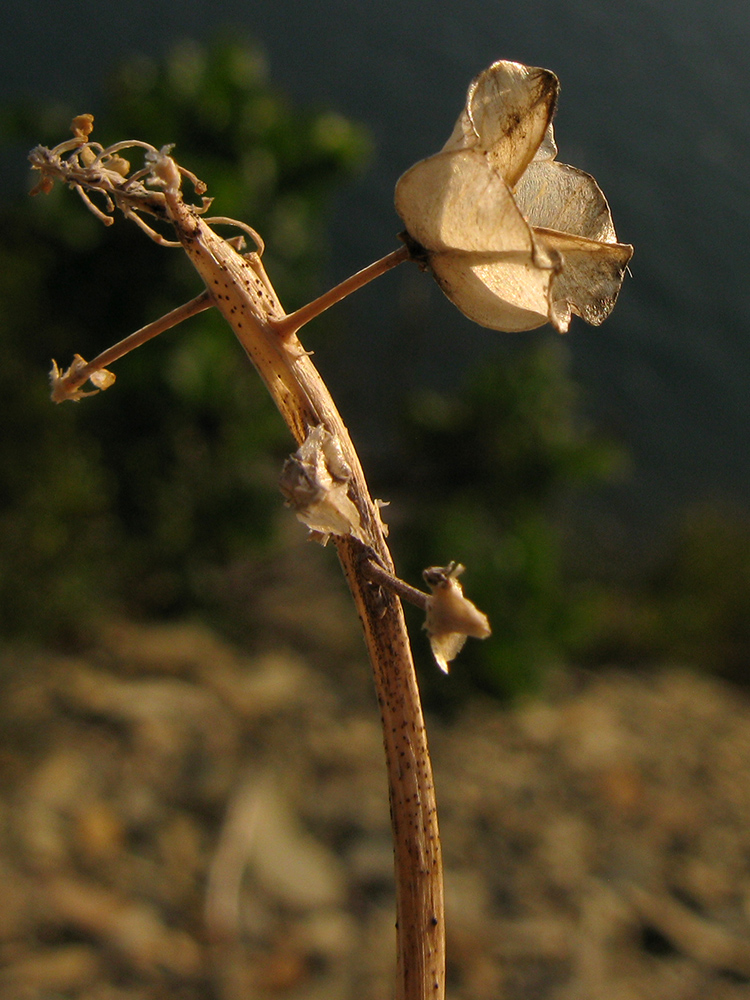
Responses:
[692,607]
[488,467]
[137,496]
[703,592]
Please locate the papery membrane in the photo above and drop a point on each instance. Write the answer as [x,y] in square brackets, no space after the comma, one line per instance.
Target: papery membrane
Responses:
[557,196]
[508,111]
[513,238]
[456,201]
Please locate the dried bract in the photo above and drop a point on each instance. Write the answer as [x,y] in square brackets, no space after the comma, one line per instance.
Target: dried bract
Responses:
[451,617]
[315,482]
[513,238]
[60,381]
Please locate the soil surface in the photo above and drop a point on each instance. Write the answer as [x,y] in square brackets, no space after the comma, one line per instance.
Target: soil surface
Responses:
[185,819]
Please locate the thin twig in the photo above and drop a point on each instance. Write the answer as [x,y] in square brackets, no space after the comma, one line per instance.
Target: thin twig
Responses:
[404,590]
[290,324]
[123,347]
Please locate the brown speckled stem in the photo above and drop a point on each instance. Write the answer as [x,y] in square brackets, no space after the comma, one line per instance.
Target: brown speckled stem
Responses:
[241,290]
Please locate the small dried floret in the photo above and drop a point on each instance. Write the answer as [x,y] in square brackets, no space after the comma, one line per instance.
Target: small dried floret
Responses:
[82,126]
[66,385]
[119,164]
[102,379]
[164,170]
[451,617]
[44,185]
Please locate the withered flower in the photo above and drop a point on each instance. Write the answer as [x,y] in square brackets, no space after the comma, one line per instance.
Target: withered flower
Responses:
[451,617]
[513,238]
[315,483]
[101,379]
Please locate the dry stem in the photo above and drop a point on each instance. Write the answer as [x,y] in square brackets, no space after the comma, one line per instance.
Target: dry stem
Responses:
[295,321]
[404,590]
[239,287]
[242,292]
[78,375]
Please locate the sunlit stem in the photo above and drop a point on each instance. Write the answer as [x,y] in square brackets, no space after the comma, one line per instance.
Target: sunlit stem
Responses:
[377,574]
[295,321]
[166,322]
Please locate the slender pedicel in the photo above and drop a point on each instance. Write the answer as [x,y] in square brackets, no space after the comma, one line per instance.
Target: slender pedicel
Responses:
[378,574]
[123,347]
[290,324]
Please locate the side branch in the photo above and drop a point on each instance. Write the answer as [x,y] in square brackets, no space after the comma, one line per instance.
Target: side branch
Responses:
[400,587]
[197,305]
[68,385]
[295,321]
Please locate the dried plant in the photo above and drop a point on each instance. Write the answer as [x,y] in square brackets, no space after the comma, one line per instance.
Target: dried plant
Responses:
[483,215]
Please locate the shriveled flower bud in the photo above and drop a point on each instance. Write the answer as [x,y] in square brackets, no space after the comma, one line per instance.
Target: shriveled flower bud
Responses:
[60,381]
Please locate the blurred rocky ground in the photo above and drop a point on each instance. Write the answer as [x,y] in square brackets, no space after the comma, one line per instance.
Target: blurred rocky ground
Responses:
[189,819]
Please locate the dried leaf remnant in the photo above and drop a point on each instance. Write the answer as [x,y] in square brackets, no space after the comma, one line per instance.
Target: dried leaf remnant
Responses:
[315,481]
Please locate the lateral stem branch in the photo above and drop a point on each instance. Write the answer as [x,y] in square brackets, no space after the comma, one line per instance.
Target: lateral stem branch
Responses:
[290,324]
[377,574]
[123,347]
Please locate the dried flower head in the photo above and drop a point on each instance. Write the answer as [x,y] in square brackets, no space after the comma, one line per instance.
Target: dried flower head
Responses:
[451,617]
[513,238]
[89,168]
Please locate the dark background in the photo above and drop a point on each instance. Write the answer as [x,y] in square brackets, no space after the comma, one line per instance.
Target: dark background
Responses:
[654,104]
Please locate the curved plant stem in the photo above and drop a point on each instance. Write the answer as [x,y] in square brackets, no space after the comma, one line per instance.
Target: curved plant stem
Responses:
[240,289]
[238,286]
